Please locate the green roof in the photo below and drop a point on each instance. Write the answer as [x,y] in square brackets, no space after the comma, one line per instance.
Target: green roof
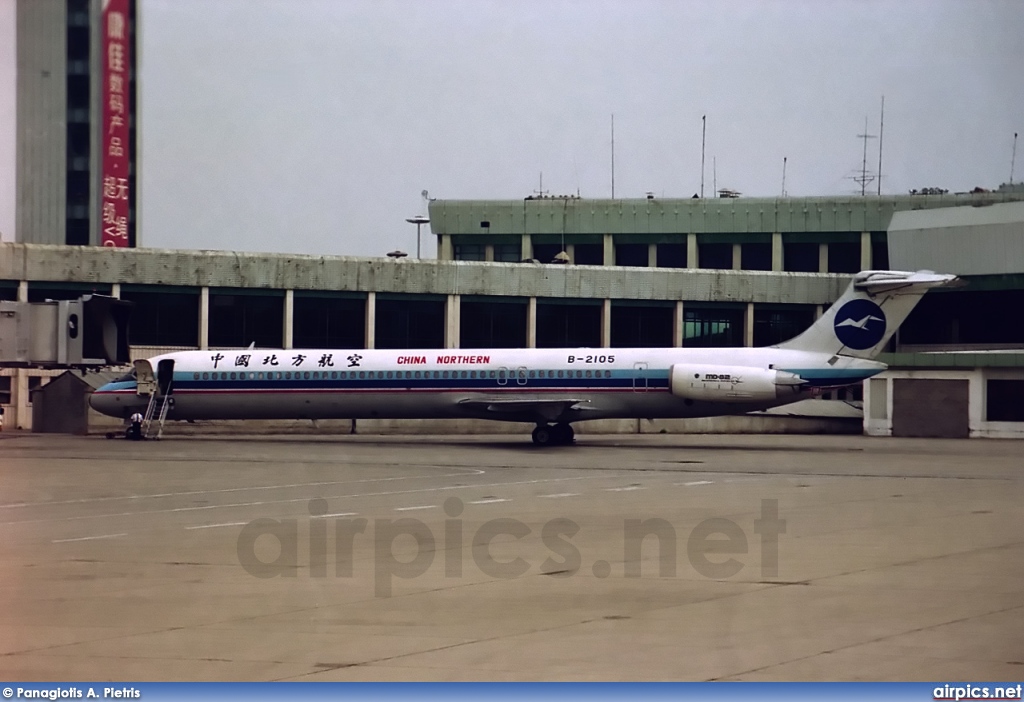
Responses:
[573,215]
[955,359]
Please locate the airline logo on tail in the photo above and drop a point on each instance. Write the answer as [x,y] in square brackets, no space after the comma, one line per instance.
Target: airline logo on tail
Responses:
[860,324]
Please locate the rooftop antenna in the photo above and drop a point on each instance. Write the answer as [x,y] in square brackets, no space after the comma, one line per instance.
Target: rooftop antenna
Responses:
[703,133]
[784,176]
[541,192]
[1013,159]
[576,172]
[864,178]
[881,127]
[714,173]
[613,156]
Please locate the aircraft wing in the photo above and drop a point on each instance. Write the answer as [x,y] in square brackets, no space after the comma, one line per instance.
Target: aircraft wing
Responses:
[548,409]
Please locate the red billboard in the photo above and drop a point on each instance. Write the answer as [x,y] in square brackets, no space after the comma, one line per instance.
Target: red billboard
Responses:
[116,63]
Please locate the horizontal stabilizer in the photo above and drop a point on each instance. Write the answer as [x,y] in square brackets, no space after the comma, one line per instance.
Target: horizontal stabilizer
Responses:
[897,282]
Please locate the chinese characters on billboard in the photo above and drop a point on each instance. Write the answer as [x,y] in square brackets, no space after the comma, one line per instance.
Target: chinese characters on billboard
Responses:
[114,207]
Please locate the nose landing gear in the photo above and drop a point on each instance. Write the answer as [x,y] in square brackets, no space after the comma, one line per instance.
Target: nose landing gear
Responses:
[553,435]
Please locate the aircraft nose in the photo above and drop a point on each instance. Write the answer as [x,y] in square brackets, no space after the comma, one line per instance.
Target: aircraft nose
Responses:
[106,401]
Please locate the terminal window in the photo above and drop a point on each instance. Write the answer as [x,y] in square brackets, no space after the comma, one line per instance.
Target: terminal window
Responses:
[800,257]
[773,326]
[469,252]
[545,253]
[843,257]
[1004,401]
[711,327]
[714,256]
[588,254]
[631,255]
[756,256]
[671,256]
[508,253]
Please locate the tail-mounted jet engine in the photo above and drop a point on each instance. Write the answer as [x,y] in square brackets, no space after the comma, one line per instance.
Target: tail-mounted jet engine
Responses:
[731,383]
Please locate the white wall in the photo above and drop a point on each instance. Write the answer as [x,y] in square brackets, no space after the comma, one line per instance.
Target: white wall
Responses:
[878,410]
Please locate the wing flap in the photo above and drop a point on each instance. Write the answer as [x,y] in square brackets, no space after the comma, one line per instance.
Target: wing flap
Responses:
[547,409]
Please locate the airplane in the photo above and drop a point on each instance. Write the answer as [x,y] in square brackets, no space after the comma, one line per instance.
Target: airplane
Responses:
[551,388]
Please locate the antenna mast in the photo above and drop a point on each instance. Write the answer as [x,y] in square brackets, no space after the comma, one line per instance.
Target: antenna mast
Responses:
[783,176]
[703,133]
[864,178]
[541,192]
[613,156]
[714,173]
[1013,159]
[881,128]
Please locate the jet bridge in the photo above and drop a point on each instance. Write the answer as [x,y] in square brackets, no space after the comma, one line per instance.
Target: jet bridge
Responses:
[89,332]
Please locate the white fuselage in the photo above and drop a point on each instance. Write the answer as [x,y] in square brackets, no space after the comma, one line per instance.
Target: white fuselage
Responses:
[529,385]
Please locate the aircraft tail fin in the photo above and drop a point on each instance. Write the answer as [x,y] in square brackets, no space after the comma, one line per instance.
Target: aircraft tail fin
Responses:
[865,317]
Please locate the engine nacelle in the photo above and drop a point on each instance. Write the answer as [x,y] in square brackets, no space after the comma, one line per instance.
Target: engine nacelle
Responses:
[700,381]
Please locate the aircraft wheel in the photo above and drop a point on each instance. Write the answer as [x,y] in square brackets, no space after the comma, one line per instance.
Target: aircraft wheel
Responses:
[564,434]
[544,435]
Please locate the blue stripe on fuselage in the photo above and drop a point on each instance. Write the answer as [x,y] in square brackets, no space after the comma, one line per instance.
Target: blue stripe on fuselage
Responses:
[379,380]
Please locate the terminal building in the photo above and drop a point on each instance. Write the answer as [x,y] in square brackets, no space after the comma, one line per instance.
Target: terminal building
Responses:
[654,273]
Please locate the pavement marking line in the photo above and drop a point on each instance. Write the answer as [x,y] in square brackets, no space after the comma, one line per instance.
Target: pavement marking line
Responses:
[336,514]
[214,526]
[87,538]
[626,489]
[561,494]
[489,501]
[302,499]
[696,482]
[410,509]
[87,500]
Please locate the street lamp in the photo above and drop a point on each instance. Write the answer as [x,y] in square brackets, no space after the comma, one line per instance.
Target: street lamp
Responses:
[419,221]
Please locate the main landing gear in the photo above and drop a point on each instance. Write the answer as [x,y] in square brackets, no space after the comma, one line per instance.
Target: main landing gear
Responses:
[553,435]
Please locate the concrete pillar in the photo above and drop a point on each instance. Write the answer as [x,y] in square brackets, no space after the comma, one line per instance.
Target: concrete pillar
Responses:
[115,290]
[748,326]
[677,325]
[488,255]
[531,323]
[652,255]
[371,319]
[444,252]
[777,262]
[609,250]
[289,319]
[823,258]
[204,317]
[818,311]
[570,251]
[865,251]
[22,291]
[22,418]
[527,247]
[606,323]
[452,321]
[692,257]
[976,414]
[737,257]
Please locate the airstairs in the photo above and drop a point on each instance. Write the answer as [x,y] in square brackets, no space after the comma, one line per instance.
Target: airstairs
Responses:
[159,387]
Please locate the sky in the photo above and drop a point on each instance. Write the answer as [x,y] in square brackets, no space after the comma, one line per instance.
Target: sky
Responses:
[312,126]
